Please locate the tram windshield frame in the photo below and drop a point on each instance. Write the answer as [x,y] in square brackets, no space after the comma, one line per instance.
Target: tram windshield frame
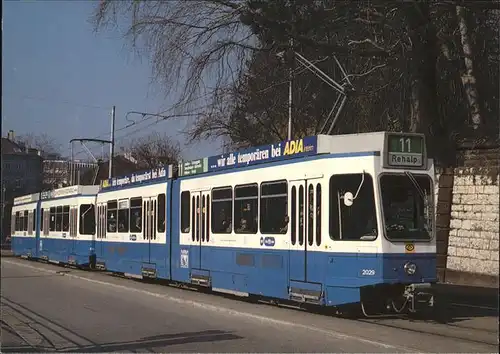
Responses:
[407,206]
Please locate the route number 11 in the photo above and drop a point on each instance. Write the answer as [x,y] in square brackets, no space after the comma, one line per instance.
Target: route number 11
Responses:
[406,141]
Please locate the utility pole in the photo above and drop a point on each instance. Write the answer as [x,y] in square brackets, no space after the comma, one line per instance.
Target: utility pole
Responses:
[112,146]
[74,174]
[290,90]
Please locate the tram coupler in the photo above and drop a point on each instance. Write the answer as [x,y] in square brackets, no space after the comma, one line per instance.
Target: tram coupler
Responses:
[419,295]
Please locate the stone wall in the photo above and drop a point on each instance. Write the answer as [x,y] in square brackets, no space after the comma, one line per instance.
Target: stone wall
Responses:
[474,223]
[468,216]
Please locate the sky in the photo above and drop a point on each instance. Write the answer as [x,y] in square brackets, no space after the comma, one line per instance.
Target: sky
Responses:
[60,78]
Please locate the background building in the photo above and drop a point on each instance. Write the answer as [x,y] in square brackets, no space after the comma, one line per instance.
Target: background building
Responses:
[22,169]
[56,171]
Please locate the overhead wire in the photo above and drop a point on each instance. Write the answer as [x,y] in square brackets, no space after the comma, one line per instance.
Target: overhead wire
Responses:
[117,130]
[145,119]
[78,104]
[159,119]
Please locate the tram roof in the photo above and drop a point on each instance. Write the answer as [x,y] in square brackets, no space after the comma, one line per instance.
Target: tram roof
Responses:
[70,191]
[29,198]
[388,144]
[137,178]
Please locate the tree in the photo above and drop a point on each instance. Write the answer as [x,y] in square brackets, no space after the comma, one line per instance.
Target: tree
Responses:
[197,48]
[154,150]
[148,152]
[468,78]
[405,84]
[42,142]
[402,57]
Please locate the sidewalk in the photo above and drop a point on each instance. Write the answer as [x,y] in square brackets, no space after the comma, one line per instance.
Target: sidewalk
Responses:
[7,253]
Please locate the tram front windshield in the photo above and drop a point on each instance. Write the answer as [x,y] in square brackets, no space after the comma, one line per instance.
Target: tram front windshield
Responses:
[407,206]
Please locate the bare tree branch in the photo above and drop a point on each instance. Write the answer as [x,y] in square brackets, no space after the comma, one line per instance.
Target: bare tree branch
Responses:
[368,41]
[154,150]
[41,142]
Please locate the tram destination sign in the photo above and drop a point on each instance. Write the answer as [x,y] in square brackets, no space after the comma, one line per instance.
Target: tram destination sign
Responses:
[267,153]
[406,150]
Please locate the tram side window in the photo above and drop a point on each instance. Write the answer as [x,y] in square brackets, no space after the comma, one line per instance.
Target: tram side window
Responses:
[135,214]
[18,221]
[294,215]
[246,200]
[25,220]
[222,210]
[162,212]
[193,217]
[310,215]
[41,219]
[87,219]
[65,218]
[357,222]
[318,214]
[59,218]
[185,199]
[52,225]
[34,220]
[123,214]
[273,207]
[112,210]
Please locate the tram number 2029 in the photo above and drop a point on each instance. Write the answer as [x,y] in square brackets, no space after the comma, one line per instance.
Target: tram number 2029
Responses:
[367,272]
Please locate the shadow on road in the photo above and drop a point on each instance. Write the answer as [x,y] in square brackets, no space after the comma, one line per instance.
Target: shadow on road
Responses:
[472,295]
[160,341]
[459,303]
[451,313]
[54,332]
[455,303]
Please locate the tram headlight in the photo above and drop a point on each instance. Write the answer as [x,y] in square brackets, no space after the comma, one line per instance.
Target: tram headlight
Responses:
[410,268]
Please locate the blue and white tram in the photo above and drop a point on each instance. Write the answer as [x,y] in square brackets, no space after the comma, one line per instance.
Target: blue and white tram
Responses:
[132,227]
[24,226]
[68,228]
[350,220]
[327,220]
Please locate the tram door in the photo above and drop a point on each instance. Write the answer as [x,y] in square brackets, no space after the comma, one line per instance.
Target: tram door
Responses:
[149,207]
[101,229]
[304,224]
[37,222]
[45,212]
[32,233]
[73,230]
[200,232]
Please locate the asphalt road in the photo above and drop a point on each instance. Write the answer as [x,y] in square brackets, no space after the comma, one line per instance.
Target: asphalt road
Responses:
[48,308]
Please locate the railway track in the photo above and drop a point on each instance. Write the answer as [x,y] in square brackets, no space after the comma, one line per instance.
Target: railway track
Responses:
[39,333]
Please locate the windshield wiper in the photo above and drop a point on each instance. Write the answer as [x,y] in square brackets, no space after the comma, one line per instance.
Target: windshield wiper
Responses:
[415,183]
[425,198]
